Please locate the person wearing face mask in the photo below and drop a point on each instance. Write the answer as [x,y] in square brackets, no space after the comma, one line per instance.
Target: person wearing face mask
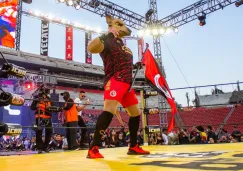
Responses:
[71,116]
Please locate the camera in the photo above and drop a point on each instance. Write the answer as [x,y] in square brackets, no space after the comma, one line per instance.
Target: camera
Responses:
[40,92]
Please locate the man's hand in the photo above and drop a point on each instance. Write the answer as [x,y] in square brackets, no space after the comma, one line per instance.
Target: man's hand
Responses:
[87,102]
[138,65]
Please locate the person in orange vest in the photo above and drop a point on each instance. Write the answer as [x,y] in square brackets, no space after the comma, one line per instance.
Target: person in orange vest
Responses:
[71,116]
[40,107]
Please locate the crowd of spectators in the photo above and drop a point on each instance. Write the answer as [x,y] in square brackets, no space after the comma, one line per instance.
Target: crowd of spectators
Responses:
[121,138]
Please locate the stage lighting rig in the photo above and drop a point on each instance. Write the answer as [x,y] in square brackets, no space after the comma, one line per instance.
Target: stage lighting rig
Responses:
[157,31]
[148,14]
[76,4]
[94,3]
[237,4]
[202,20]
[60,1]
[69,2]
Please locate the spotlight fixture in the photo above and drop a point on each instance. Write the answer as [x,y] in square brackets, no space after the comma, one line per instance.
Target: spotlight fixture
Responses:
[176,30]
[69,2]
[237,4]
[60,1]
[149,14]
[202,19]
[94,3]
[76,4]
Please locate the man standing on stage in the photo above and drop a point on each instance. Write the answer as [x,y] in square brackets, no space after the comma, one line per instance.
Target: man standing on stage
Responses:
[71,116]
[81,122]
[40,107]
[118,66]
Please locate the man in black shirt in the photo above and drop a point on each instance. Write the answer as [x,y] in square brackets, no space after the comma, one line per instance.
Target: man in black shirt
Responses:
[236,134]
[211,134]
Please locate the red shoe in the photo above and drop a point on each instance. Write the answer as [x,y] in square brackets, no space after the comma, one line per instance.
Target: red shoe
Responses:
[136,150]
[94,153]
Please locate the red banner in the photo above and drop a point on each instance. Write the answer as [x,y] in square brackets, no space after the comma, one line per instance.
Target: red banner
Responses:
[69,43]
[140,48]
[158,82]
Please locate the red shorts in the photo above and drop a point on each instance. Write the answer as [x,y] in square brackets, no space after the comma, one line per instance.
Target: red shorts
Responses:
[117,90]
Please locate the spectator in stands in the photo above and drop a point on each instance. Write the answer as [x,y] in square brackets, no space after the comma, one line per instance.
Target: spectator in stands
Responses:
[152,139]
[236,134]
[122,131]
[183,136]
[71,116]
[19,145]
[64,143]
[158,139]
[121,140]
[211,134]
[232,139]
[81,122]
[165,136]
[195,137]
[104,141]
[222,135]
[91,137]
[33,144]
[113,140]
[127,138]
[203,134]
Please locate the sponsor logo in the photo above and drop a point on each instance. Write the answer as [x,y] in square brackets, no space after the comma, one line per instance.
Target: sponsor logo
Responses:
[12,111]
[185,155]
[44,38]
[127,50]
[113,93]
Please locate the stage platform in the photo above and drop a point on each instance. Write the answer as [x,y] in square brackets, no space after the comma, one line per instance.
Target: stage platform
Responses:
[181,157]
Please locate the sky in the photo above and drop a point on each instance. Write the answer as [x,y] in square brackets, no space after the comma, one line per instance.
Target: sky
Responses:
[211,54]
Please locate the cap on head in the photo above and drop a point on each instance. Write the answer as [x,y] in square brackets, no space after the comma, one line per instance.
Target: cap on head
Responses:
[65,93]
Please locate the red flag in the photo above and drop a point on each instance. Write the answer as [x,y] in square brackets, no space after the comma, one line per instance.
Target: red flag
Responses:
[158,82]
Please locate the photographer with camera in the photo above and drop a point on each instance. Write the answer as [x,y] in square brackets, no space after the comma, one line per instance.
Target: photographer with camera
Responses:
[40,105]
[71,116]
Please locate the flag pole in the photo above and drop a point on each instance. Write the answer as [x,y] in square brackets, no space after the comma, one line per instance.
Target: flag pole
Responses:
[136,72]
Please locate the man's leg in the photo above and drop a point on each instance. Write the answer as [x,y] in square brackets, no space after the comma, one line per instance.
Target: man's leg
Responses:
[113,95]
[68,135]
[81,123]
[130,102]
[39,142]
[48,136]
[73,135]
[104,120]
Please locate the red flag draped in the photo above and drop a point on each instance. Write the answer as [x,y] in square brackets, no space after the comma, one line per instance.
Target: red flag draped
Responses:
[157,81]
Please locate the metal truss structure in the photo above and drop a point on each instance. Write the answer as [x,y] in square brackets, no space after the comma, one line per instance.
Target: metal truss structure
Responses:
[66,23]
[103,7]
[18,26]
[191,13]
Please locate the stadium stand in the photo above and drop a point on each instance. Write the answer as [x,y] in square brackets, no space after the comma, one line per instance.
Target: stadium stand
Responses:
[202,116]
[236,119]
